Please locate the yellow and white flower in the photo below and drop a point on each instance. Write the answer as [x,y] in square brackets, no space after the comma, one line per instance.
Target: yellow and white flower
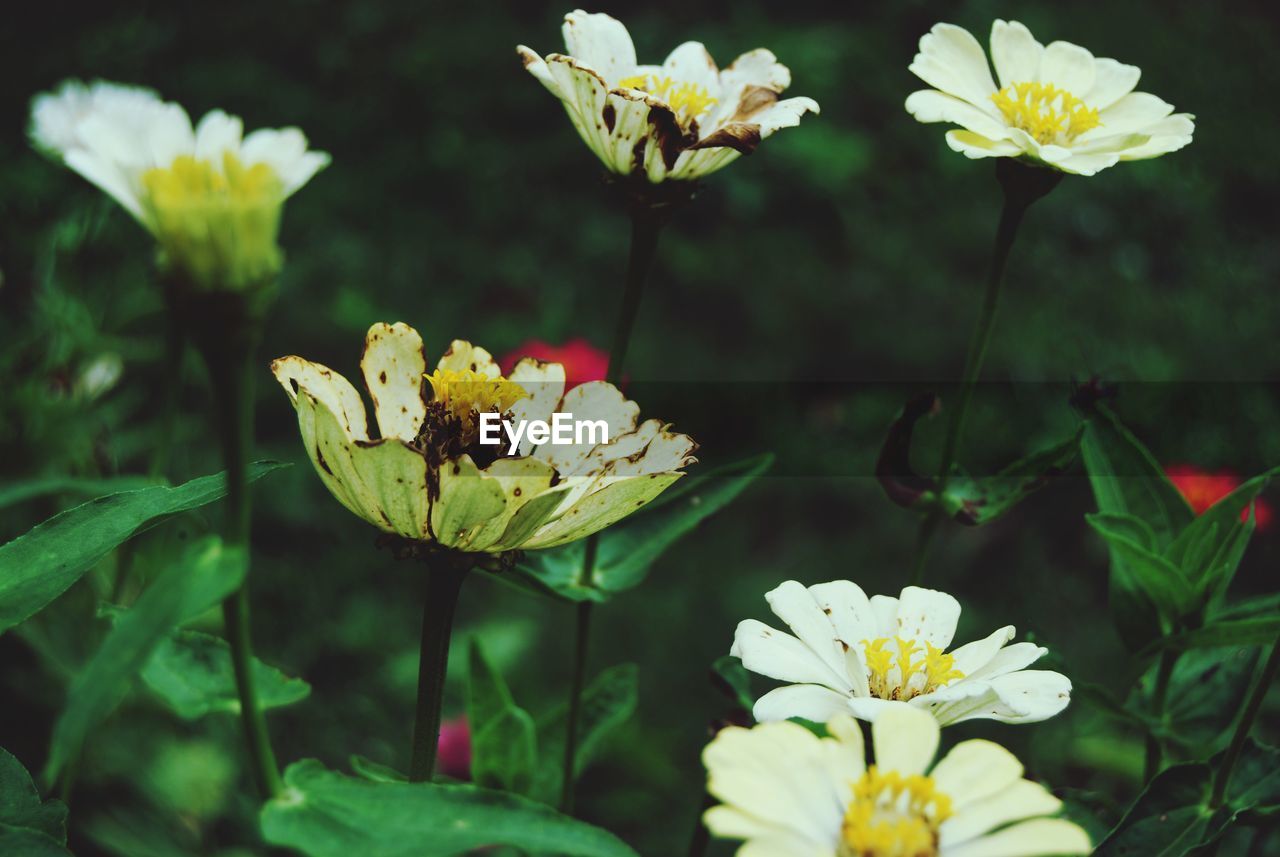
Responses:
[680,120]
[788,793]
[851,654]
[428,478]
[1055,104]
[209,194]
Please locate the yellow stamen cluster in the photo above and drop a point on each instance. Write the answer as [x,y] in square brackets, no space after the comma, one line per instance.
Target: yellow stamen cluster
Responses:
[216,225]
[935,666]
[688,100]
[1045,112]
[893,816]
[468,392]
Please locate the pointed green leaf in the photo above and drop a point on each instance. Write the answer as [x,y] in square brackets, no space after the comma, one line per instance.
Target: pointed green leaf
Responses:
[37,567]
[735,679]
[1140,575]
[1204,689]
[19,492]
[980,500]
[25,842]
[326,814]
[191,672]
[1255,631]
[21,807]
[207,573]
[1169,818]
[607,703]
[503,736]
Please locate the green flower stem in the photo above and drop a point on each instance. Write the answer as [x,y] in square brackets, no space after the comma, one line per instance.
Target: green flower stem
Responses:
[231,372]
[1245,724]
[647,220]
[444,582]
[1155,753]
[1022,185]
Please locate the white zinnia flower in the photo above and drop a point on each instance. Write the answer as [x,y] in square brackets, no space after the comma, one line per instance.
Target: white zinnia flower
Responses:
[428,478]
[210,195]
[858,655]
[1058,105]
[789,793]
[680,120]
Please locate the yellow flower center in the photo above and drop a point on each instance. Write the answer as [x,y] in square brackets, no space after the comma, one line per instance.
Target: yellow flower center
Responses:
[468,392]
[687,100]
[217,226]
[898,669]
[1045,112]
[893,816]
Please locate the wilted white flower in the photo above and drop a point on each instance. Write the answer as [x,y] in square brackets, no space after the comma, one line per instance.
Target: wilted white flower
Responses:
[429,478]
[1058,105]
[210,195]
[789,793]
[858,655]
[680,120]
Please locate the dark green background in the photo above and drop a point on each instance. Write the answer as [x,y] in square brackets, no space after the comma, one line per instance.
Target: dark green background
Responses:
[808,291]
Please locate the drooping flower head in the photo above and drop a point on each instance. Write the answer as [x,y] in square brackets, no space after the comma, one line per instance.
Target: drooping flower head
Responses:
[581,360]
[429,476]
[210,195]
[680,120]
[1057,105]
[788,793]
[1203,488]
[857,655]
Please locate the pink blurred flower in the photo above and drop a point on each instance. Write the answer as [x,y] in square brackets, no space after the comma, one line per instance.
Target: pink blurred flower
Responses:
[1202,489]
[453,752]
[582,361]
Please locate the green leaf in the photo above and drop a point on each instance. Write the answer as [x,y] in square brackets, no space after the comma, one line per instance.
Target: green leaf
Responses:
[191,672]
[20,492]
[207,573]
[22,809]
[607,703]
[1257,631]
[1204,690]
[1139,575]
[976,501]
[1169,818]
[1127,479]
[504,750]
[736,681]
[25,842]
[37,567]
[326,814]
[627,550]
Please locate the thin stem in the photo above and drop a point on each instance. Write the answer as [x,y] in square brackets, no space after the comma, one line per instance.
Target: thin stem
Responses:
[1250,713]
[230,370]
[1155,753]
[172,375]
[444,582]
[1022,185]
[646,225]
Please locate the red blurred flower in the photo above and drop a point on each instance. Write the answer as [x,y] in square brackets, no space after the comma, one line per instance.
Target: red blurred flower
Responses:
[453,751]
[582,361]
[1202,489]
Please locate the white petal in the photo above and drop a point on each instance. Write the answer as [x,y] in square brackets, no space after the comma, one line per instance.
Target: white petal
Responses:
[285,151]
[1168,135]
[796,606]
[927,615]
[1135,112]
[904,739]
[1014,52]
[537,66]
[972,657]
[335,392]
[691,63]
[601,42]
[1036,838]
[870,707]
[1113,81]
[885,608]
[1034,695]
[1068,67]
[973,145]
[393,365]
[779,655]
[930,105]
[810,701]
[950,59]
[594,400]
[462,356]
[216,134]
[544,384]
[1023,799]
[1009,659]
[975,770]
[850,613]
[1088,164]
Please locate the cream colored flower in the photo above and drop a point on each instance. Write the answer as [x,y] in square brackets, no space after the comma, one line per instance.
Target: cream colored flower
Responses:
[428,478]
[210,196]
[680,120]
[1058,105]
[857,655]
[788,793]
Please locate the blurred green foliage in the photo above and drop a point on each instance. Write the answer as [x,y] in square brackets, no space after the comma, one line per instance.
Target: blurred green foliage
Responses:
[793,309]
